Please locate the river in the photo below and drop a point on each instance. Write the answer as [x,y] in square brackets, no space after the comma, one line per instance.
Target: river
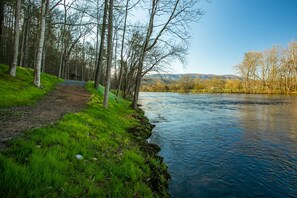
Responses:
[226,145]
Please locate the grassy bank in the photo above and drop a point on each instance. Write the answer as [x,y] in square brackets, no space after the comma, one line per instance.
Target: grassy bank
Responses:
[93,153]
[19,90]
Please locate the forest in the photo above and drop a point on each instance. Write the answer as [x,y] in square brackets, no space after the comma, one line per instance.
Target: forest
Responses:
[271,71]
[105,41]
[87,150]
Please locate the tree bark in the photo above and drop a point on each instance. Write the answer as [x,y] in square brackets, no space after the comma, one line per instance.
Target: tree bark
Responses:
[109,54]
[13,65]
[25,38]
[2,5]
[26,46]
[60,72]
[122,50]
[100,57]
[37,68]
[97,33]
[43,56]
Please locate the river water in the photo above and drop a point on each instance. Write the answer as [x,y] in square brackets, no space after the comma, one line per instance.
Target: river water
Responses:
[225,145]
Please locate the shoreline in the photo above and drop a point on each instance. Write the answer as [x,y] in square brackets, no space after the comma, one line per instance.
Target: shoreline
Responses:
[95,152]
[160,176]
[212,92]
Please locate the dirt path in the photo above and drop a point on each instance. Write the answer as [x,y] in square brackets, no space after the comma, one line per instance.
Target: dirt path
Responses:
[68,96]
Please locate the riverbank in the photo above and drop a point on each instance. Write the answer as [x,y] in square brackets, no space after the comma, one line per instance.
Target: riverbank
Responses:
[96,152]
[225,91]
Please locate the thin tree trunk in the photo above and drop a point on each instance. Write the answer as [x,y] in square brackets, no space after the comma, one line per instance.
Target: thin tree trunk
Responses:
[142,55]
[13,65]
[7,33]
[115,55]
[137,85]
[68,72]
[43,56]
[109,54]
[122,51]
[100,57]
[26,46]
[25,35]
[37,67]
[62,43]
[23,43]
[2,5]
[84,60]
[97,33]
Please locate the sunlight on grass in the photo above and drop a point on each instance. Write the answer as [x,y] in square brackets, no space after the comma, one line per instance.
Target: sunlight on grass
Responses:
[44,163]
[19,90]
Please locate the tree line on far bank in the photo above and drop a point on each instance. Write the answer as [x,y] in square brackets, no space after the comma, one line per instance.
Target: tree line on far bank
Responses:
[271,71]
[100,40]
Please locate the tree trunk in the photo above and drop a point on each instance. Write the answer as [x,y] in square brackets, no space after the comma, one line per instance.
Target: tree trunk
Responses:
[137,85]
[26,46]
[115,55]
[23,43]
[122,50]
[25,38]
[84,60]
[43,56]
[100,57]
[60,72]
[109,54]
[97,32]
[13,65]
[2,5]
[143,52]
[37,67]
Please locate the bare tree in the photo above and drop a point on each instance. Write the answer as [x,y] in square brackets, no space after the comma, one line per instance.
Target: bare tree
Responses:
[271,71]
[179,14]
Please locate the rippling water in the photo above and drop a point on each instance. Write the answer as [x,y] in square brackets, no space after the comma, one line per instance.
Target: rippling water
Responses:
[224,145]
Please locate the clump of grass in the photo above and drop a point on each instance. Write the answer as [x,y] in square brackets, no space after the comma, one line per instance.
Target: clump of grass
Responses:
[113,164]
[19,90]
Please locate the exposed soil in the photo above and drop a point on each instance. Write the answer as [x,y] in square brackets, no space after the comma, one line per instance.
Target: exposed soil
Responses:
[69,96]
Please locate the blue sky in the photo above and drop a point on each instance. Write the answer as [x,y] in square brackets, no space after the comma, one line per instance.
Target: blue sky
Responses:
[232,27]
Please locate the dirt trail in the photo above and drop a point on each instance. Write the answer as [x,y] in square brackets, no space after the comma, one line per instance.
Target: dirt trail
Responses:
[68,96]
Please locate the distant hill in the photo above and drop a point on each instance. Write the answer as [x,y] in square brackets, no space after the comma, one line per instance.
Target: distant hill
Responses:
[175,77]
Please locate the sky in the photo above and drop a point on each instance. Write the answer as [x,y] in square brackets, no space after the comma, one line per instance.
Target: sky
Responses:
[230,28]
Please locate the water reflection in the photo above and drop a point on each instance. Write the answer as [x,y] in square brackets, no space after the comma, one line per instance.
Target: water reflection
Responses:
[219,145]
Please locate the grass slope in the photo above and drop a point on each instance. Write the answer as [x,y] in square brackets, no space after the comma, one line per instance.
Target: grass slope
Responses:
[19,90]
[114,164]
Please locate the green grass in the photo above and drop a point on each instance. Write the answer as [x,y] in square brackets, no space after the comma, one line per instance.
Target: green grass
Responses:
[19,90]
[44,163]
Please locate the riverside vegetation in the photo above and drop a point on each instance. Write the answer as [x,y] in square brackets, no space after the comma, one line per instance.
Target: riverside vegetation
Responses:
[273,71]
[96,152]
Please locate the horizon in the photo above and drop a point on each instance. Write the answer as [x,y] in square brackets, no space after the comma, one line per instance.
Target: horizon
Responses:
[192,73]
